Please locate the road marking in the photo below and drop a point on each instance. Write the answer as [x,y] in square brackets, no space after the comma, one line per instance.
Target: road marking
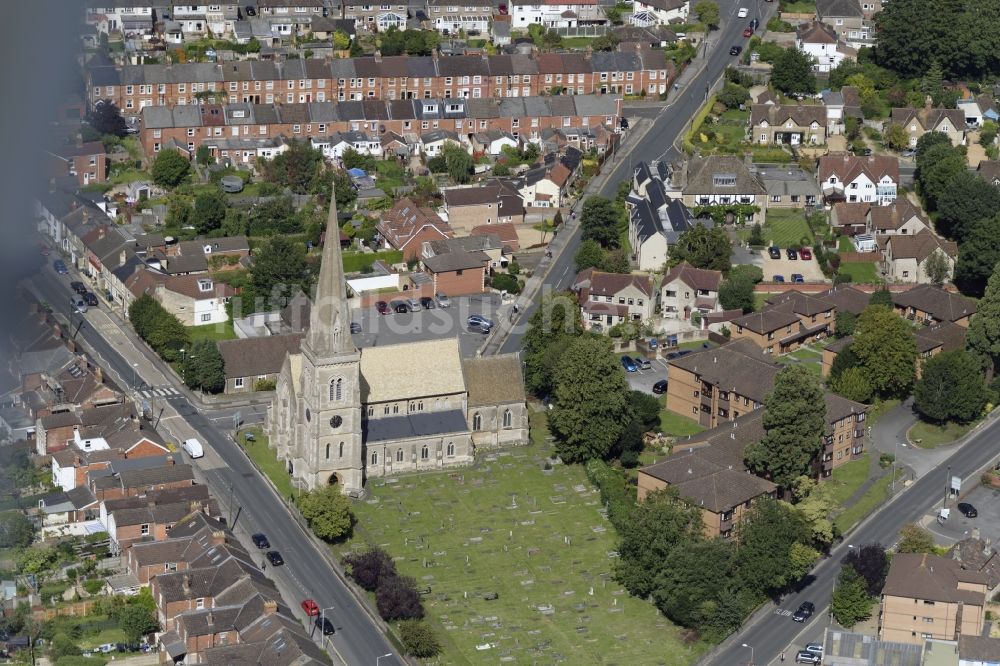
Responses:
[782,611]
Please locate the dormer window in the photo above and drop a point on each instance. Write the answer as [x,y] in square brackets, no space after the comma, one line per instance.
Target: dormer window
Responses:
[204,285]
[239,113]
[430,108]
[207,249]
[724,180]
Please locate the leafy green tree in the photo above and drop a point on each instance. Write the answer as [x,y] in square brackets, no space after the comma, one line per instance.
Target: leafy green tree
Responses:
[932,85]
[853,384]
[136,621]
[16,531]
[370,567]
[690,581]
[851,602]
[756,235]
[459,163]
[590,406]
[606,42]
[940,166]
[141,314]
[170,168]
[794,422]
[951,388]
[792,72]
[927,141]
[105,118]
[896,137]
[749,272]
[551,329]
[766,536]
[887,351]
[845,323]
[732,95]
[937,267]
[978,255]
[179,214]
[703,248]
[168,335]
[341,40]
[599,220]
[737,293]
[209,212]
[279,268]
[352,159]
[62,645]
[419,639]
[345,193]
[707,12]
[983,335]
[36,559]
[872,564]
[967,200]
[236,223]
[815,503]
[661,523]
[914,34]
[590,255]
[616,261]
[915,539]
[328,512]
[504,282]
[295,168]
[845,359]
[203,368]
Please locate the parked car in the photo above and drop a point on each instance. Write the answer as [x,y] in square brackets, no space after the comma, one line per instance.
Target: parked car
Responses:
[805,657]
[743,12]
[260,540]
[629,364]
[791,253]
[754,23]
[748,32]
[310,607]
[79,305]
[91,299]
[815,648]
[644,364]
[323,624]
[480,328]
[780,279]
[193,448]
[804,612]
[774,252]
[736,50]
[477,320]
[414,305]
[427,303]
[399,307]
[355,327]
[797,278]
[44,249]
[805,253]
[660,387]
[908,153]
[78,287]
[967,510]
[382,307]
[275,558]
[443,301]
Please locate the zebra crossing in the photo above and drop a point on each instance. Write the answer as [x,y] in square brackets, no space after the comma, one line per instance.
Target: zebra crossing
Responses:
[159,392]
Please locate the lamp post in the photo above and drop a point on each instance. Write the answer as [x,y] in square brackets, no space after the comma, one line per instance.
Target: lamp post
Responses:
[322,622]
[378,659]
[746,645]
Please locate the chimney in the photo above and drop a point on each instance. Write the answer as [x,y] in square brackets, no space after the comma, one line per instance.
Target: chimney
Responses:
[210,619]
[270,607]
[186,584]
[218,537]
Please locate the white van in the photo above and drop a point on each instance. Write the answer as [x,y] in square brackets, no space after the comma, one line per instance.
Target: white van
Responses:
[193,448]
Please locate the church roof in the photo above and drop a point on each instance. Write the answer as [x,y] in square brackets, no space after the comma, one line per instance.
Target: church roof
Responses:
[494,380]
[411,370]
[419,424]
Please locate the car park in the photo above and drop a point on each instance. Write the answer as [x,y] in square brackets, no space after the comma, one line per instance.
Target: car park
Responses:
[806,254]
[91,299]
[660,387]
[414,305]
[260,540]
[748,32]
[629,364]
[791,254]
[736,50]
[310,607]
[323,624]
[780,279]
[275,558]
[382,307]
[774,252]
[804,611]
[478,320]
[399,307]
[967,510]
[78,287]
[743,12]
[797,278]
[805,657]
[443,301]
[427,303]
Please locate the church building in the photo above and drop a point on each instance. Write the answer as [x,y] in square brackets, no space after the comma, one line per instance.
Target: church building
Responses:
[342,415]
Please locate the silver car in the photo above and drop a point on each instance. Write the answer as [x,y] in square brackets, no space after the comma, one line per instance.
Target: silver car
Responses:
[443,301]
[414,305]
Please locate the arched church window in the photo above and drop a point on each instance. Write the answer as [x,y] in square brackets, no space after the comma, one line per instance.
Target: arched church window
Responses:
[477,421]
[451,449]
[508,418]
[336,389]
[374,457]
[424,452]
[399,455]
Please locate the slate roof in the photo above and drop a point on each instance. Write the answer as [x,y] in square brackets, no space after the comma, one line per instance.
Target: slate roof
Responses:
[814,32]
[933,578]
[895,215]
[494,380]
[851,213]
[946,335]
[702,170]
[249,357]
[696,278]
[846,298]
[989,170]
[838,8]
[611,284]
[142,478]
[800,303]
[929,119]
[455,261]
[767,321]
[419,424]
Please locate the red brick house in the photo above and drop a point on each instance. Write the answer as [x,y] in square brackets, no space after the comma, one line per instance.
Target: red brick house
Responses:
[406,226]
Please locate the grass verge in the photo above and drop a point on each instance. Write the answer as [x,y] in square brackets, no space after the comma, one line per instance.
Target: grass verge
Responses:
[676,425]
[847,478]
[266,460]
[876,495]
[216,332]
[930,435]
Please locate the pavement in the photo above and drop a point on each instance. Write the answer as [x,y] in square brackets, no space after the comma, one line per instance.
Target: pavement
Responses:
[889,436]
[232,478]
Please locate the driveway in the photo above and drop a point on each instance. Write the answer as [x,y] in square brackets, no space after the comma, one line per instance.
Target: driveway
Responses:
[809,270]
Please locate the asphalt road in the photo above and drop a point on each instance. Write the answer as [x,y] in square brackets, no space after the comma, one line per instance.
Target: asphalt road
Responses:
[657,143]
[235,483]
[774,633]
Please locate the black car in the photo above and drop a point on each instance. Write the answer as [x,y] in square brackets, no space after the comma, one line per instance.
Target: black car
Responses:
[774,252]
[804,612]
[355,327]
[967,510]
[399,307]
[91,298]
[260,540]
[792,253]
[755,23]
[660,387]
[427,303]
[78,287]
[274,557]
[323,624]
[736,50]
[251,11]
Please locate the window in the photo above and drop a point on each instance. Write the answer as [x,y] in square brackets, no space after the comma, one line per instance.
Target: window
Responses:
[399,455]
[508,418]
[341,451]
[724,180]
[327,450]
[238,382]
[206,318]
[374,457]
[424,452]
[477,421]
[144,529]
[336,389]
[451,450]
[199,603]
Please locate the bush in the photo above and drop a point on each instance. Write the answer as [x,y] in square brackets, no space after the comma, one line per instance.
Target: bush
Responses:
[265,384]
[419,639]
[93,586]
[370,567]
[886,460]
[614,494]
[397,599]
[504,282]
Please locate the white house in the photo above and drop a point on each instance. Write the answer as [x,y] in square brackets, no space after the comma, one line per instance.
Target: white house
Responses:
[850,178]
[820,41]
[64,476]
[432,143]
[333,147]
[653,12]
[195,299]
[472,16]
[493,142]
[556,13]
[130,17]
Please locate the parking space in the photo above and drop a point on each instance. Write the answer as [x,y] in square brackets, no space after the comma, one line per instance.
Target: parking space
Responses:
[986,500]
[808,268]
[643,380]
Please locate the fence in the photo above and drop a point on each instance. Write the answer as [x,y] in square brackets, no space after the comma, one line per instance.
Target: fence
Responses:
[583,31]
[860,256]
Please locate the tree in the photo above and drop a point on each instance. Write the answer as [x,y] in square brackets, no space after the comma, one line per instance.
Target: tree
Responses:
[885,346]
[794,422]
[341,40]
[328,512]
[419,639]
[792,72]
[882,297]
[590,255]
[853,384]
[733,95]
[844,323]
[170,168]
[590,405]
[691,580]
[940,166]
[844,360]
[203,368]
[915,539]
[967,200]
[370,567]
[504,282]
[136,621]
[661,523]
[914,34]
[552,328]
[872,564]
[737,293]
[599,220]
[766,536]
[978,255]
[209,212]
[937,267]
[815,504]
[179,214]
[459,163]
[105,118]
[932,85]
[708,13]
[703,248]
[983,335]
[203,155]
[927,141]
[896,137]
[397,598]
[279,268]
[616,261]
[352,159]
[606,42]
[951,388]
[16,531]
[851,602]
[756,235]
[295,168]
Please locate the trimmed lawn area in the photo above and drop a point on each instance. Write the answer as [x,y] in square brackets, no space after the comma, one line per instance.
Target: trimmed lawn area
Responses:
[930,435]
[696,344]
[847,478]
[798,6]
[861,272]
[223,331]
[807,354]
[844,244]
[675,425]
[359,262]
[759,300]
[576,42]
[555,600]
[266,460]
[786,227]
[877,494]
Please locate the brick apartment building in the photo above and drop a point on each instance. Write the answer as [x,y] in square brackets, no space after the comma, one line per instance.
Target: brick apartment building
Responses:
[789,321]
[87,162]
[928,304]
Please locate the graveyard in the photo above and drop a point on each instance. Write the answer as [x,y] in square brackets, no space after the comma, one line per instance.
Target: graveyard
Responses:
[515,558]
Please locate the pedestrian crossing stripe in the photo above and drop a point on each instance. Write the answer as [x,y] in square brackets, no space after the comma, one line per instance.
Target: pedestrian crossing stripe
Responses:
[161,392]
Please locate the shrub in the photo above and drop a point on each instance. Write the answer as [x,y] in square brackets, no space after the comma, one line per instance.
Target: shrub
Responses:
[885,460]
[93,586]
[370,567]
[419,639]
[265,385]
[611,483]
[397,599]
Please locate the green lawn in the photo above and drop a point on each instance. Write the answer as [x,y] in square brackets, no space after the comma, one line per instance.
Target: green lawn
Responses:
[357,262]
[807,354]
[860,271]
[675,425]
[844,244]
[113,635]
[265,459]
[389,175]
[759,300]
[798,6]
[847,478]
[930,435]
[536,538]
[223,331]
[696,344]
[786,227]
[726,135]
[876,495]
[576,42]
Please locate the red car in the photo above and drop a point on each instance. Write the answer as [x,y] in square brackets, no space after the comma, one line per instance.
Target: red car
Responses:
[382,307]
[805,253]
[748,32]
[45,250]
[310,607]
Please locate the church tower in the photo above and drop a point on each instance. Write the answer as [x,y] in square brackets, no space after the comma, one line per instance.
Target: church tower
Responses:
[331,446]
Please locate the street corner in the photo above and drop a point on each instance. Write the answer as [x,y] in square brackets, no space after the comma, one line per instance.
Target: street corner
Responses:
[984,524]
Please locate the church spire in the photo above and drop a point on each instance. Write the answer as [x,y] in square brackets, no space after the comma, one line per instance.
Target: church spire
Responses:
[329,317]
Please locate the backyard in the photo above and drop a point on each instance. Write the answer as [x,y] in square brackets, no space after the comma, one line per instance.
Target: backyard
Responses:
[860,272]
[555,598]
